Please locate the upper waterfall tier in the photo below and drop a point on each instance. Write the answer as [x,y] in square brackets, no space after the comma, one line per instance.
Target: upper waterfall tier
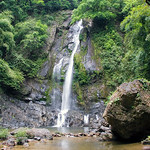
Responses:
[66,96]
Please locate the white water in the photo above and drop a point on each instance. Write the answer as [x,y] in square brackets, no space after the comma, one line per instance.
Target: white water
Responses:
[97,117]
[57,70]
[66,96]
[56,78]
[86,119]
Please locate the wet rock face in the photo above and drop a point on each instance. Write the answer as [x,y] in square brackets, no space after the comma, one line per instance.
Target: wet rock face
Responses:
[102,129]
[74,119]
[15,113]
[129,110]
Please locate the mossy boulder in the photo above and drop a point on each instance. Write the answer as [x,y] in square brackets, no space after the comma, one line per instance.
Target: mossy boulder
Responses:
[128,111]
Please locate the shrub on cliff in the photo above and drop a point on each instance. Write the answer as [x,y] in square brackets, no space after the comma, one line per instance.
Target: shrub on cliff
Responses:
[9,77]
[3,133]
[30,37]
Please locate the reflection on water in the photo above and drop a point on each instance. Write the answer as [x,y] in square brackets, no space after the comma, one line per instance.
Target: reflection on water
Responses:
[69,129]
[78,143]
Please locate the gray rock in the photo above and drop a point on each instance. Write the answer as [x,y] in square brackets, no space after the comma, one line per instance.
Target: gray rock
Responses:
[146,148]
[37,138]
[39,134]
[26,145]
[22,140]
[129,110]
[104,128]
[10,142]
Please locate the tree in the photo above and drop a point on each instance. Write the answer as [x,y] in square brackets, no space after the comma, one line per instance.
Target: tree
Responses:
[6,34]
[30,37]
[102,9]
[137,39]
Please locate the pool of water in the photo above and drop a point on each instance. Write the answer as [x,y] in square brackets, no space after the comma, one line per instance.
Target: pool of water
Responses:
[78,143]
[69,130]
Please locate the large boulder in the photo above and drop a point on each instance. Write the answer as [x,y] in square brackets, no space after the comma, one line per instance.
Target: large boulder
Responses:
[34,133]
[39,133]
[128,111]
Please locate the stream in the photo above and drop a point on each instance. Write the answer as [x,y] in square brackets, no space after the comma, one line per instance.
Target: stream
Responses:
[78,143]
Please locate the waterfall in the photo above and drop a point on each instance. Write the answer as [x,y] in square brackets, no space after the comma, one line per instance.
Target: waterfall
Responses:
[56,79]
[86,119]
[66,96]
[57,71]
[97,117]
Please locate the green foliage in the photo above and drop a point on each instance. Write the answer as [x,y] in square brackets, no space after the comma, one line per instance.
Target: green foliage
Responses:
[129,4]
[81,75]
[7,42]
[28,67]
[3,133]
[79,93]
[104,10]
[23,35]
[30,37]
[21,133]
[9,77]
[108,48]
[21,136]
[136,27]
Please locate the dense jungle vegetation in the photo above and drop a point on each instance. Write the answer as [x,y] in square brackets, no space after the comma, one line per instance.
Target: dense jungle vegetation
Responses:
[120,37]
[23,33]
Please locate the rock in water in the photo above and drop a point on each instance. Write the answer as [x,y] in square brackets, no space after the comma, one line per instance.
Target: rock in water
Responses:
[39,133]
[128,111]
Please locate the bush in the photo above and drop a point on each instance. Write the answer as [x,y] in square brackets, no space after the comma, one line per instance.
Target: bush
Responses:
[10,77]
[21,137]
[28,67]
[30,37]
[21,133]
[3,134]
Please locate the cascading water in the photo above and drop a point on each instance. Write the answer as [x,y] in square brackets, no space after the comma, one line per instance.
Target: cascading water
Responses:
[56,79]
[66,96]
[56,71]
[86,119]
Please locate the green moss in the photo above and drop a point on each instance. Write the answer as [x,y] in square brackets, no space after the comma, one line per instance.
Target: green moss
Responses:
[83,36]
[79,93]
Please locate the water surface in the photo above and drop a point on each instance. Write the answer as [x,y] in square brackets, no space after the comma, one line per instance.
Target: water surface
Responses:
[78,143]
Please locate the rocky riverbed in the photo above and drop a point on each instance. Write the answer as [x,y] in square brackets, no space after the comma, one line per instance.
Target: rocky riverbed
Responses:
[126,117]
[41,139]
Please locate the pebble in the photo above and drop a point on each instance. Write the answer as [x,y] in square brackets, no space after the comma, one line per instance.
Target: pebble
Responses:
[26,145]
[146,148]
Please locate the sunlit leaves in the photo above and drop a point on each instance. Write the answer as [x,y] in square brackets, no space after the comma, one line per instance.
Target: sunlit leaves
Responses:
[38,1]
[31,36]
[93,8]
